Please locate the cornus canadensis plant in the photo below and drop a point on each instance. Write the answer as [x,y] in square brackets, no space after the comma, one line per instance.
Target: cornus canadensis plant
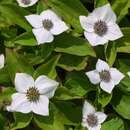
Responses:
[32,96]
[63,40]
[92,119]
[100,26]
[106,76]
[46,25]
[26,3]
[2,61]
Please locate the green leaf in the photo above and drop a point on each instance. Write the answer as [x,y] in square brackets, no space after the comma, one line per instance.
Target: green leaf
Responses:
[4,76]
[17,64]
[9,32]
[111,53]
[73,45]
[125,40]
[99,3]
[70,10]
[15,15]
[69,107]
[9,1]
[78,84]
[124,49]
[41,6]
[2,122]
[123,65]
[46,50]
[38,54]
[125,85]
[62,93]
[121,104]
[113,124]
[21,120]
[79,128]
[117,7]
[104,98]
[25,39]
[71,62]
[48,68]
[123,44]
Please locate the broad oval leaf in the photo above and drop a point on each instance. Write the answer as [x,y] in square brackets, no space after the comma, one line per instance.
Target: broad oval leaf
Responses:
[21,120]
[123,44]
[121,104]
[117,7]
[48,68]
[15,15]
[113,124]
[26,39]
[71,62]
[99,3]
[73,45]
[17,64]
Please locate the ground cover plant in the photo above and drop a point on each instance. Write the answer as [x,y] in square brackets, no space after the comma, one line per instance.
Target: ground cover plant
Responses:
[64,65]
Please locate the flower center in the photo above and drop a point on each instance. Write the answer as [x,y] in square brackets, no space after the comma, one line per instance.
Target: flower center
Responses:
[47,24]
[33,94]
[100,28]
[92,120]
[105,75]
[26,2]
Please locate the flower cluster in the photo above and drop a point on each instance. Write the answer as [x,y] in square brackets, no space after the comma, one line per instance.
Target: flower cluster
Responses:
[33,95]
[92,119]
[106,76]
[100,26]
[46,25]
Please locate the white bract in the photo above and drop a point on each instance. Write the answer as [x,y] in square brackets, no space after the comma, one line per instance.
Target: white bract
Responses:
[92,119]
[106,76]
[26,3]
[128,74]
[46,25]
[2,61]
[32,96]
[100,26]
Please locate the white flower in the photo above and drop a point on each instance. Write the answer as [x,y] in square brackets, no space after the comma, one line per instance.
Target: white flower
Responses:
[106,76]
[32,96]
[46,25]
[100,26]
[128,74]
[26,3]
[2,61]
[92,119]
